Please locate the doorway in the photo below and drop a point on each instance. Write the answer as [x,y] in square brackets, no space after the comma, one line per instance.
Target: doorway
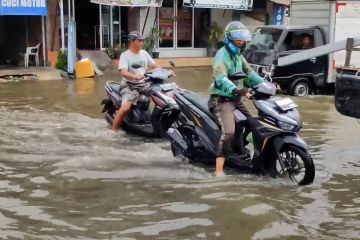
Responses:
[182,27]
[99,26]
[20,32]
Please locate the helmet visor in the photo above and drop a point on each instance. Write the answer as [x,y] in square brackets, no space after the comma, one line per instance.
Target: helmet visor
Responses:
[240,34]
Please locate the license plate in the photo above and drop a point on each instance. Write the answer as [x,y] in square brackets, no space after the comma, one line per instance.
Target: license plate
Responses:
[168,86]
[285,104]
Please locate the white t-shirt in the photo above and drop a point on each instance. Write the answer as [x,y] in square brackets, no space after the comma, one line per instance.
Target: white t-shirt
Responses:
[128,59]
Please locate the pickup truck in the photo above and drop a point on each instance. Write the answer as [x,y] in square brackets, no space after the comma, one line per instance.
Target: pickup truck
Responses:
[272,42]
[322,22]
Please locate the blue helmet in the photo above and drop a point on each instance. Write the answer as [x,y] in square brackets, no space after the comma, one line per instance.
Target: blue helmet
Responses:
[235,30]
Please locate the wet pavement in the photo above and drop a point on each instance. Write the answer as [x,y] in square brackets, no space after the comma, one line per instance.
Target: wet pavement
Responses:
[63,177]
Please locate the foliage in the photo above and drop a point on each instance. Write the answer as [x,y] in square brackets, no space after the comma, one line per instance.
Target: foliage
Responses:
[215,35]
[61,61]
[114,52]
[150,41]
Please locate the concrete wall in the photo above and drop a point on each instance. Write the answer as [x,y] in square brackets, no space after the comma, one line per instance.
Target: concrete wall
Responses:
[53,26]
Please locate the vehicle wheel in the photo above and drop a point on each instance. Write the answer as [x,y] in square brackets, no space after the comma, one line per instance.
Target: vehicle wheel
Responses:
[177,152]
[300,89]
[299,165]
[110,114]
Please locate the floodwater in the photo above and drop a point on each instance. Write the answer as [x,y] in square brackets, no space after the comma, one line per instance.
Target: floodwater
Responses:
[63,177]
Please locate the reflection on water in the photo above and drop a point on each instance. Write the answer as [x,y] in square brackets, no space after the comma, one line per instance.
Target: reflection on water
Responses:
[63,177]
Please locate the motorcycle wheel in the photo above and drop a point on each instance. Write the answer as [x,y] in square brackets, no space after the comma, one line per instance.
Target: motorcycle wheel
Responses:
[177,153]
[111,113]
[299,165]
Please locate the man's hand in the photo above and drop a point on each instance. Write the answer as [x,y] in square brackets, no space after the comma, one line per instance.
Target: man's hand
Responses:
[240,92]
[248,95]
[139,76]
[277,86]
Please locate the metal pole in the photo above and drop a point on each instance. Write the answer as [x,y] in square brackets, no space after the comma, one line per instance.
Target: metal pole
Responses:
[69,10]
[62,25]
[349,48]
[73,10]
[100,27]
[111,35]
[43,39]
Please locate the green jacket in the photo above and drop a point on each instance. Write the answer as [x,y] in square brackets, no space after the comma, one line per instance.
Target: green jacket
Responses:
[223,66]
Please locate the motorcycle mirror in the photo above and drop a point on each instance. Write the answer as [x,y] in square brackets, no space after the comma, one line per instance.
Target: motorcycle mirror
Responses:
[136,65]
[172,63]
[237,76]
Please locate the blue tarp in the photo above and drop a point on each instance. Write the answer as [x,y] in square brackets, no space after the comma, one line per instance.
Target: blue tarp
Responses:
[23,7]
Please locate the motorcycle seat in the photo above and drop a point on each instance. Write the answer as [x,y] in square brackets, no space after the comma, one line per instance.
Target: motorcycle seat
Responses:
[115,86]
[199,101]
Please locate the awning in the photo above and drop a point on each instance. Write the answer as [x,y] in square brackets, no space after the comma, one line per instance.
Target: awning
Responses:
[283,2]
[222,4]
[23,7]
[129,3]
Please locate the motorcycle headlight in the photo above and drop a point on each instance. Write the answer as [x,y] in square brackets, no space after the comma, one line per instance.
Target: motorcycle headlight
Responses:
[286,126]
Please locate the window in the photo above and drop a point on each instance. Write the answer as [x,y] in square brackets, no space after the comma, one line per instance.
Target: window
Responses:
[201,27]
[298,40]
[264,39]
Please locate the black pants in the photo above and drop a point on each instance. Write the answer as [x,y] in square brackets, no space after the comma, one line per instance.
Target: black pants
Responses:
[223,109]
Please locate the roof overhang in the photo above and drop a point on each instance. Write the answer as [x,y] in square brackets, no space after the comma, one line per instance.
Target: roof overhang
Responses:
[283,2]
[130,3]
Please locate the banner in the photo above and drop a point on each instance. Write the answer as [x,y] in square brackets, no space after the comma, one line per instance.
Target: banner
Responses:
[23,7]
[224,4]
[130,3]
[279,14]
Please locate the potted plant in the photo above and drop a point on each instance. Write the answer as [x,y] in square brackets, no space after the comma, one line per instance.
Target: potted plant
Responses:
[215,35]
[114,52]
[150,42]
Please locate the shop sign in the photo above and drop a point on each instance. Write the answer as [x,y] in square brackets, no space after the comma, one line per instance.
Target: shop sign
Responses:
[23,7]
[279,14]
[223,4]
[130,3]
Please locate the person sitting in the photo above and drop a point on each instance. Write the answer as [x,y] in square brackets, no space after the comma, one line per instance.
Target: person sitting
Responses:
[133,56]
[225,94]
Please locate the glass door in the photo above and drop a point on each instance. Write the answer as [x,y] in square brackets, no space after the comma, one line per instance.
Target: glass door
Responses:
[105,26]
[167,24]
[116,26]
[184,26]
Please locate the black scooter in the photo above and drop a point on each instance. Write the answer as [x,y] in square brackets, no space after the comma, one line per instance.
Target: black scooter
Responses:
[141,120]
[278,150]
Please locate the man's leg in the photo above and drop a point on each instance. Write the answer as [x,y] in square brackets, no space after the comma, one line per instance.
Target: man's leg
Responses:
[120,115]
[225,116]
[243,109]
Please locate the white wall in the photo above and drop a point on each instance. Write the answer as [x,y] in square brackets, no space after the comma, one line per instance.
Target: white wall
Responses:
[217,15]
[150,21]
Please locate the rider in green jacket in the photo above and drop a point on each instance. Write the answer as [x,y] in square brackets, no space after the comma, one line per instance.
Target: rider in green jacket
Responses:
[226,94]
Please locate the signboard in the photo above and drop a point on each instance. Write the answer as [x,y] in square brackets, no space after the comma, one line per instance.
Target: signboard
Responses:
[279,14]
[224,4]
[23,7]
[130,3]
[71,55]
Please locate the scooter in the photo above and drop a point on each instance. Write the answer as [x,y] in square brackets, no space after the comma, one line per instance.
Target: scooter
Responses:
[141,120]
[278,150]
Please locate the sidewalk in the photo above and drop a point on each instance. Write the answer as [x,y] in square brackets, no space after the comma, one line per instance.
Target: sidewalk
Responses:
[180,62]
[31,73]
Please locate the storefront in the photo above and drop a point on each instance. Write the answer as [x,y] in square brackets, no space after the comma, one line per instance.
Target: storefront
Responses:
[183,25]
[184,28]
[21,26]
[183,31]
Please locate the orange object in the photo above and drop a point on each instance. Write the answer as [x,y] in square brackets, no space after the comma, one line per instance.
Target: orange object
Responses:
[84,69]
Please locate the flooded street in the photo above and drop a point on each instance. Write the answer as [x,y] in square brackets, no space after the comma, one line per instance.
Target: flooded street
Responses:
[63,177]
